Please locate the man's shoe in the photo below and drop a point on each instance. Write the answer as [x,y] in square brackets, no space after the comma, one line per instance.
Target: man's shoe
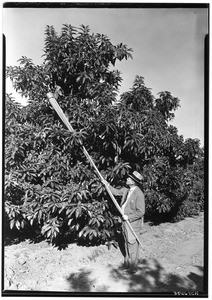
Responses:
[124,272]
[124,267]
[132,271]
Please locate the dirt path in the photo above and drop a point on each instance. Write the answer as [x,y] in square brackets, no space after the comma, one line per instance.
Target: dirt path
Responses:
[172,261]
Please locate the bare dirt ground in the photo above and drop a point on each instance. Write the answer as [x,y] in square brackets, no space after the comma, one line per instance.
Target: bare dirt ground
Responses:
[171,262]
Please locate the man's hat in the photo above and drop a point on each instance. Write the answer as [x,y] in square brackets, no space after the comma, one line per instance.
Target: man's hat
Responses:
[137,177]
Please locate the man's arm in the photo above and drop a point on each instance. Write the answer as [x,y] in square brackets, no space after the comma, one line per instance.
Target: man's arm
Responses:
[114,191]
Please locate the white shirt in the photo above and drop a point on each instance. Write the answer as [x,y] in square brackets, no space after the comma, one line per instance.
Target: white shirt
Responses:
[128,196]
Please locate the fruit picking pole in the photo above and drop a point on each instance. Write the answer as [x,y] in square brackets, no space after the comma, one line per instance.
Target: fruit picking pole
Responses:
[61,114]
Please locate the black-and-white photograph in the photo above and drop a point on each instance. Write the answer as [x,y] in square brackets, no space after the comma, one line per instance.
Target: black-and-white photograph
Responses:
[105,148]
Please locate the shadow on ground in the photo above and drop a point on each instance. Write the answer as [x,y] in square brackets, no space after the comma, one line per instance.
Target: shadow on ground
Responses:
[80,281]
[150,278]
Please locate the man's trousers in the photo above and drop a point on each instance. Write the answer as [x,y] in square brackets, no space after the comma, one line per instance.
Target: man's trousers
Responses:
[131,256]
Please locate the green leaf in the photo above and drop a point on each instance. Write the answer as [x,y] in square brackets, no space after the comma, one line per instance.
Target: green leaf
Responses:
[12,223]
[18,225]
[70,221]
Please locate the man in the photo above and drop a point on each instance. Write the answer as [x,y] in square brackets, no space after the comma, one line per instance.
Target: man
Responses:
[133,206]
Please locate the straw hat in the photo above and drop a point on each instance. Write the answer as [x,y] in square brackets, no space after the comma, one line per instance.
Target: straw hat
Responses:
[137,177]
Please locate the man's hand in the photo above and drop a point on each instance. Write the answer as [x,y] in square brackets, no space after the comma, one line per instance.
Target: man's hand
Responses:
[125,217]
[105,182]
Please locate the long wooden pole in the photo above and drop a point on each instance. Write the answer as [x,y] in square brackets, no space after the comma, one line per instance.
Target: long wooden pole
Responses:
[62,116]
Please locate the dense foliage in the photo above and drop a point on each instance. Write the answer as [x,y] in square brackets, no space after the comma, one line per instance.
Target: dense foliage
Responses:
[49,185]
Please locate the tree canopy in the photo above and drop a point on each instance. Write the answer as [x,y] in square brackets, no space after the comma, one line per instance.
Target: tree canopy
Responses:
[49,185]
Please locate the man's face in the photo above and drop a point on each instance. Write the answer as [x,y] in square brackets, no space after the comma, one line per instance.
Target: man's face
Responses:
[130,181]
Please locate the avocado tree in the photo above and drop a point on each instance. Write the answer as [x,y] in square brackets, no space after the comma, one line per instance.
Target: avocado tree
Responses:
[49,185]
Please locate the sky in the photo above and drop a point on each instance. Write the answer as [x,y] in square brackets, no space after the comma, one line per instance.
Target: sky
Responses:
[168,49]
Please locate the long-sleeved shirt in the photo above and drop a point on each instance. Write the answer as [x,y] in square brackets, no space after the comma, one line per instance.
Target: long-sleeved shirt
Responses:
[134,205]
